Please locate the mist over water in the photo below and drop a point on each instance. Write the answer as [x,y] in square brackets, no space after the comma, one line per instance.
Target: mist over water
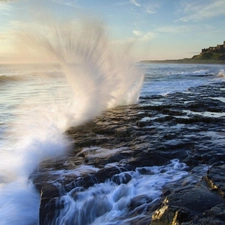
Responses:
[97,78]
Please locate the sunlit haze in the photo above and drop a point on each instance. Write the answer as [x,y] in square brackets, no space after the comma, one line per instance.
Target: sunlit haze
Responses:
[156,29]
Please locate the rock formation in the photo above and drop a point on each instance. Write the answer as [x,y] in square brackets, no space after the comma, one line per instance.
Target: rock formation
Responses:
[212,53]
[188,126]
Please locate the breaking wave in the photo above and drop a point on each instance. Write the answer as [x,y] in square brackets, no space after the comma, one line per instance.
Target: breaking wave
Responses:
[98,78]
[221,73]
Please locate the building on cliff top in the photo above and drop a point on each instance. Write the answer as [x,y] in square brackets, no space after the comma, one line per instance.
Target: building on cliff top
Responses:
[217,49]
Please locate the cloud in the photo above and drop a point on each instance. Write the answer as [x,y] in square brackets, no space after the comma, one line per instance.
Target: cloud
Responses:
[143,36]
[152,7]
[67,3]
[134,2]
[148,36]
[197,10]
[5,8]
[137,33]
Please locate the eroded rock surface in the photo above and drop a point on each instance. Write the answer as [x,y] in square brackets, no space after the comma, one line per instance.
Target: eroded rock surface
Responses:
[187,126]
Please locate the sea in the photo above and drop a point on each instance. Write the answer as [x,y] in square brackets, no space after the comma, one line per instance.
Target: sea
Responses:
[39,102]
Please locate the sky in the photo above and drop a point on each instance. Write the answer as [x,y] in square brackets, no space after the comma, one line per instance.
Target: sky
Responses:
[158,29]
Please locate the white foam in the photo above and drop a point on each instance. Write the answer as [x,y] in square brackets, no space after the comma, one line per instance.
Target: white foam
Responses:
[221,73]
[108,203]
[206,113]
[222,99]
[19,203]
[146,119]
[98,79]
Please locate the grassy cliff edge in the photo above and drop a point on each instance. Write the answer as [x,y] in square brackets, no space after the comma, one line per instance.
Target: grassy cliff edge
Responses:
[186,61]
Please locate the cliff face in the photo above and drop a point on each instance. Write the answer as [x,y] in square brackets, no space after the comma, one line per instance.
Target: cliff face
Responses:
[212,53]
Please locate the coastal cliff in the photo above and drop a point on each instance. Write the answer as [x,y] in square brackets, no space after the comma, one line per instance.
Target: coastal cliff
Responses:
[212,53]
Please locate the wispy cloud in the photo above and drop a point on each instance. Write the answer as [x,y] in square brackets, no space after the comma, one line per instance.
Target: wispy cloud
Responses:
[137,33]
[5,7]
[149,6]
[134,2]
[197,10]
[152,7]
[144,36]
[67,3]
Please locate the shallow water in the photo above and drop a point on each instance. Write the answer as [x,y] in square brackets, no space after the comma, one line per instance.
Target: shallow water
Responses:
[110,202]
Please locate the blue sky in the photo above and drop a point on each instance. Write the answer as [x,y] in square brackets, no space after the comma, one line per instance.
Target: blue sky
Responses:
[162,29]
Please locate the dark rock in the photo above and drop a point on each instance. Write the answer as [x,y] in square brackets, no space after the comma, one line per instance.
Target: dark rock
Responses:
[216,179]
[214,216]
[183,206]
[185,126]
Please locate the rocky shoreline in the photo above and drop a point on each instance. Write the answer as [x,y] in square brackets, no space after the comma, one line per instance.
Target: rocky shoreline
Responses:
[187,126]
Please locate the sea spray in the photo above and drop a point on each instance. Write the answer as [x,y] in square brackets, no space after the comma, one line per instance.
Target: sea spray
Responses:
[98,79]
[35,136]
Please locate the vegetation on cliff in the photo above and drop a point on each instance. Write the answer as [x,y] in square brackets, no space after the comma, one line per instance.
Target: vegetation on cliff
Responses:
[211,55]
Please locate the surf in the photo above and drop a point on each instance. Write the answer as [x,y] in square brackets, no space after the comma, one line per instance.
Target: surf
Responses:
[97,78]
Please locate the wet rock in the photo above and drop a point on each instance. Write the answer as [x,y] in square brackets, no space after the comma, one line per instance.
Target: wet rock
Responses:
[214,216]
[186,126]
[49,194]
[182,206]
[216,178]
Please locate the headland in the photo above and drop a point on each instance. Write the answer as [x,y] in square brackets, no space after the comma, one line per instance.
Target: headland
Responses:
[210,55]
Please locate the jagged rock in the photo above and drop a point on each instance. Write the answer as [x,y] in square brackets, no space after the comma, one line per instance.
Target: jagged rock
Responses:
[185,205]
[187,126]
[216,178]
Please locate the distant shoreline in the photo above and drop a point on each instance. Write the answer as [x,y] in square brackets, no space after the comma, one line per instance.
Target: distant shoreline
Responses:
[185,61]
